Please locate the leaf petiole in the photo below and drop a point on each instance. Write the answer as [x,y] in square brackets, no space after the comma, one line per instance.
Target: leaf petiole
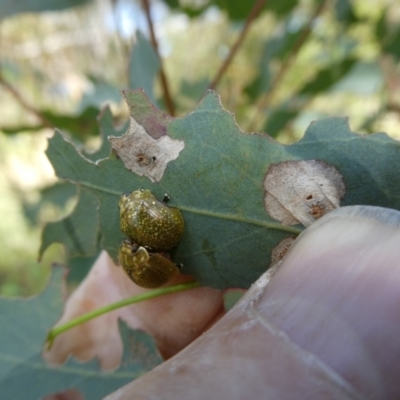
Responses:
[56,331]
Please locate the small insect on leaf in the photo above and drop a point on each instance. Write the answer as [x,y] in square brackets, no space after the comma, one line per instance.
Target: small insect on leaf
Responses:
[149,222]
[148,270]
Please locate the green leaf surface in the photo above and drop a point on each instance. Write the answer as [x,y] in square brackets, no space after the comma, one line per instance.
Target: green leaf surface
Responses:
[79,267]
[144,66]
[276,48]
[105,122]
[326,77]
[345,12]
[80,126]
[278,118]
[100,94]
[362,79]
[56,195]
[217,182]
[239,10]
[80,239]
[25,375]
[12,7]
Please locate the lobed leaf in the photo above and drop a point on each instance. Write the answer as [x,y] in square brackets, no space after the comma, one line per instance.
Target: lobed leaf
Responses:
[217,183]
[25,375]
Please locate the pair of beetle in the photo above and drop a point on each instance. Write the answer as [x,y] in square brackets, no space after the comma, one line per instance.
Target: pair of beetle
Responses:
[153,230]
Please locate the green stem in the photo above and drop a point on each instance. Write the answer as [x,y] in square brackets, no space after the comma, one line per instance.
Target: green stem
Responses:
[53,333]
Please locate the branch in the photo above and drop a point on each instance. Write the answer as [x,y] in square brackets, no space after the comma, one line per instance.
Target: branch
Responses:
[164,83]
[23,103]
[265,100]
[255,11]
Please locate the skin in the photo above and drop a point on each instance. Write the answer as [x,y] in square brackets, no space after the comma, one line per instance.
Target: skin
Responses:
[325,327]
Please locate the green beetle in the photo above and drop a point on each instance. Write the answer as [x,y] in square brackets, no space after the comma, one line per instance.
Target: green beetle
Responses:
[149,222]
[148,270]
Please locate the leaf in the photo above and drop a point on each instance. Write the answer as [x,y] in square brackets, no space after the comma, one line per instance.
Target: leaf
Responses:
[392,44]
[144,66]
[362,79]
[81,126]
[79,267]
[278,118]
[276,48]
[79,239]
[326,77]
[239,10]
[9,8]
[217,182]
[25,375]
[57,195]
[345,12]
[192,10]
[101,93]
[106,124]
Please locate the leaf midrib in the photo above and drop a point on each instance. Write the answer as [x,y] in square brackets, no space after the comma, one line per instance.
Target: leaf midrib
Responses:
[206,213]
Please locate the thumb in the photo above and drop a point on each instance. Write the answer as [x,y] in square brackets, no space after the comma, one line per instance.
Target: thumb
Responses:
[326,326]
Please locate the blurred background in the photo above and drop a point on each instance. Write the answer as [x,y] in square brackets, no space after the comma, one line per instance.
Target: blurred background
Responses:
[277,65]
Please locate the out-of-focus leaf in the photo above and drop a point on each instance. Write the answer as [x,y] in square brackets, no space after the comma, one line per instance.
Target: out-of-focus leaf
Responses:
[338,76]
[278,118]
[392,44]
[12,7]
[327,77]
[388,35]
[25,375]
[79,126]
[194,90]
[79,268]
[144,66]
[362,79]
[191,10]
[80,239]
[101,93]
[381,27]
[281,8]
[345,12]
[275,48]
[56,195]
[239,10]
[172,3]
[217,182]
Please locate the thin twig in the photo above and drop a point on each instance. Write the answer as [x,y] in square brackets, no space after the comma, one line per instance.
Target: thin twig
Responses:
[255,11]
[164,82]
[23,103]
[265,100]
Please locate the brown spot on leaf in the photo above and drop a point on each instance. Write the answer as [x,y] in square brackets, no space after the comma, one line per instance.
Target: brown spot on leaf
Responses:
[302,191]
[143,154]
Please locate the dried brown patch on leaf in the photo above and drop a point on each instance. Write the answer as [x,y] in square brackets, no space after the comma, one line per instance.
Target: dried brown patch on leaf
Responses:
[143,154]
[302,191]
